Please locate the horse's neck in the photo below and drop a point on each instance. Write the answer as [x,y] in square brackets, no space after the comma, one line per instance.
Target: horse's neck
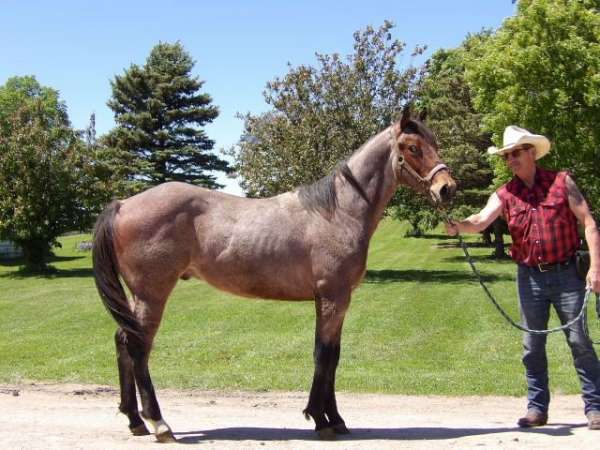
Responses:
[372,168]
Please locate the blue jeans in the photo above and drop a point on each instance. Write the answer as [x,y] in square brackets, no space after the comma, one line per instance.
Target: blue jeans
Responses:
[565,291]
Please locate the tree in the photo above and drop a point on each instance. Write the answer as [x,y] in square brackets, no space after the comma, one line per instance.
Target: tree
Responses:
[101,178]
[160,112]
[541,70]
[446,97]
[40,170]
[321,114]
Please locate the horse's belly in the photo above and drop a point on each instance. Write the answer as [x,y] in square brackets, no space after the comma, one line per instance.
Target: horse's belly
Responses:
[256,290]
[272,284]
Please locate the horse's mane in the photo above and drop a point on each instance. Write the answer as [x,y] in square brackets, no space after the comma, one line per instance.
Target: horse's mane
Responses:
[322,195]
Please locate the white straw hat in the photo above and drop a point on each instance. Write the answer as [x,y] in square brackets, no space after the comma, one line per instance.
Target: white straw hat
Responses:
[515,136]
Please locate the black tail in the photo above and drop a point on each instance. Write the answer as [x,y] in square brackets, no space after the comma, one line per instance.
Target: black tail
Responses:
[106,272]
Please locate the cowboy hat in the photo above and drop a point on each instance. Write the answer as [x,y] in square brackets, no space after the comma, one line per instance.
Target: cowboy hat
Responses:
[515,136]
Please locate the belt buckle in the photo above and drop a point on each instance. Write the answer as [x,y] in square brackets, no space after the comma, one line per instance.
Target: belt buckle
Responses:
[541,268]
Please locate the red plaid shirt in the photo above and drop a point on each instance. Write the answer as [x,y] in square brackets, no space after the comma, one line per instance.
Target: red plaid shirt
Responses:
[542,226]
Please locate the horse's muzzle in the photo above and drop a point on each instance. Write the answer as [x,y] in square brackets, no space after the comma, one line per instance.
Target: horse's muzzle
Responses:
[443,188]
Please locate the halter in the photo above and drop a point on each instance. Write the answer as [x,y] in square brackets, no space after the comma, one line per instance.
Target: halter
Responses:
[404,165]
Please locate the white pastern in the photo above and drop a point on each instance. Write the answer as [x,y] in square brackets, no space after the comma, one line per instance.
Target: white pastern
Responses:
[159,427]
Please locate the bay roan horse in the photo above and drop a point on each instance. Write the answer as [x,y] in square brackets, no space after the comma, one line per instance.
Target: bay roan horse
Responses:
[310,243]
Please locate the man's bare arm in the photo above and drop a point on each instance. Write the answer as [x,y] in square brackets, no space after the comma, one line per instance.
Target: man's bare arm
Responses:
[480,221]
[581,210]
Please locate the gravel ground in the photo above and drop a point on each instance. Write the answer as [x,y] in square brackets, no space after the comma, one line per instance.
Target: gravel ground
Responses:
[67,416]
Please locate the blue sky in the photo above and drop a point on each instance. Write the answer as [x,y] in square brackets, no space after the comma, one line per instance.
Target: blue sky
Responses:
[76,47]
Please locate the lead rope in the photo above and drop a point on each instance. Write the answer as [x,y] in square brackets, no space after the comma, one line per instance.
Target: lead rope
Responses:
[585,321]
[581,316]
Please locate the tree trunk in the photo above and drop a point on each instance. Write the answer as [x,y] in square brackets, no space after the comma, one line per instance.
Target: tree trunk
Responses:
[499,229]
[487,236]
[35,254]
[415,230]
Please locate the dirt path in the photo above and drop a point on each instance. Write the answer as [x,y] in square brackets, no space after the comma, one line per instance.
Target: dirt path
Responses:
[42,416]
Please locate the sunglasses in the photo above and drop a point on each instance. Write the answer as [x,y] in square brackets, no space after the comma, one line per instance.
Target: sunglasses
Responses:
[516,152]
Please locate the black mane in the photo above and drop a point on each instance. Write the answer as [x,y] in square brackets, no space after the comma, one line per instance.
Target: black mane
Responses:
[322,195]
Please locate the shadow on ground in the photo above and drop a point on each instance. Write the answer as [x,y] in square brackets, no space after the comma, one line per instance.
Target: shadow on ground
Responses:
[359,434]
[52,271]
[484,259]
[428,276]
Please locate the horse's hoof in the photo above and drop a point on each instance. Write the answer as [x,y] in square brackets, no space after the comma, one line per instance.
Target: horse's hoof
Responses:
[340,428]
[140,430]
[166,437]
[326,434]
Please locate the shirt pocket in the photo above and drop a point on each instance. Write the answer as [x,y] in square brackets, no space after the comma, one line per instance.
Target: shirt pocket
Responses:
[517,217]
[554,211]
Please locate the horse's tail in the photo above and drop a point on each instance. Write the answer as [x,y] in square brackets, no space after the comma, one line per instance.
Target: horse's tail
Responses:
[106,272]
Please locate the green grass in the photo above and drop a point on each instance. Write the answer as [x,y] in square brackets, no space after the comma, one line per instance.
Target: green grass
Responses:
[419,324]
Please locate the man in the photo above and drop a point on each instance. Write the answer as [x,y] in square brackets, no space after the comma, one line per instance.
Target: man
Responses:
[542,208]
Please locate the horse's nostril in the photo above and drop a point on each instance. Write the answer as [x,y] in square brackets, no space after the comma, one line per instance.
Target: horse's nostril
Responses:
[444,192]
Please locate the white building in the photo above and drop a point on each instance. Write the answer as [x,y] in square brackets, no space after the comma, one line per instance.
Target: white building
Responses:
[9,249]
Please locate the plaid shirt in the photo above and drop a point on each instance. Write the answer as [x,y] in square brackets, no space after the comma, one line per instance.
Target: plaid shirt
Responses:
[542,226]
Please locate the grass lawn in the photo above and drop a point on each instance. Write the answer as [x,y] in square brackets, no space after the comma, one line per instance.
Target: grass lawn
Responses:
[418,324]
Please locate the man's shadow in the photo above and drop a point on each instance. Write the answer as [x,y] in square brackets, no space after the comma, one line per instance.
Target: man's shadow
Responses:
[360,434]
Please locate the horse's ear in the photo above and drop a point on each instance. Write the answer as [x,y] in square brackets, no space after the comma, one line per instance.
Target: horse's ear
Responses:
[405,116]
[422,115]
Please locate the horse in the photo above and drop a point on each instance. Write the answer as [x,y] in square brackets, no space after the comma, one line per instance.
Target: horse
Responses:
[307,244]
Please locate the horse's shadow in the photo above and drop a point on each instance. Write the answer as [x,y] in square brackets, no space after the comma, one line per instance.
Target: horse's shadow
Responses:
[374,276]
[360,434]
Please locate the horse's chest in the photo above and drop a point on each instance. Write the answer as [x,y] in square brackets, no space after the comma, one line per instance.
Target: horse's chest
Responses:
[346,260]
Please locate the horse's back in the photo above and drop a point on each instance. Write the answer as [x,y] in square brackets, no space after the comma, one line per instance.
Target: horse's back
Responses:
[254,247]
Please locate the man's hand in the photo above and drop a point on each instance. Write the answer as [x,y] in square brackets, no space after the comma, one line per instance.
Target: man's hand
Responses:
[451,228]
[593,280]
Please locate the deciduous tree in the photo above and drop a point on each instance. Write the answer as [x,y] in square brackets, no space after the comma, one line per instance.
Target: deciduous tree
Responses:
[321,114]
[541,70]
[41,170]
[446,97]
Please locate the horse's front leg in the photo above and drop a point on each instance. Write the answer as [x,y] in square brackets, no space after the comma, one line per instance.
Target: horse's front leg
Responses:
[322,405]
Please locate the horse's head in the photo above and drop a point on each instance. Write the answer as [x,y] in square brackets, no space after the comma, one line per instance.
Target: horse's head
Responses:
[416,162]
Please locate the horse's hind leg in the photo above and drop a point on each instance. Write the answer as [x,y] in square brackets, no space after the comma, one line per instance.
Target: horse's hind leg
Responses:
[321,403]
[149,307]
[128,404]
[140,354]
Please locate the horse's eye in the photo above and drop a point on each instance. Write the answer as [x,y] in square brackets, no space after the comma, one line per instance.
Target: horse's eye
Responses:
[413,149]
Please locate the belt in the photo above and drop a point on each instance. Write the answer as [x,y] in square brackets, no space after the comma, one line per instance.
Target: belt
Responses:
[542,267]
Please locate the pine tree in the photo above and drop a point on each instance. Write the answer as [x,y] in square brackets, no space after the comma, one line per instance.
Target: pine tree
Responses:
[160,112]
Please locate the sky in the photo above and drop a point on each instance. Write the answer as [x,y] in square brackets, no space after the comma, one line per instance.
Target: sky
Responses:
[77,47]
